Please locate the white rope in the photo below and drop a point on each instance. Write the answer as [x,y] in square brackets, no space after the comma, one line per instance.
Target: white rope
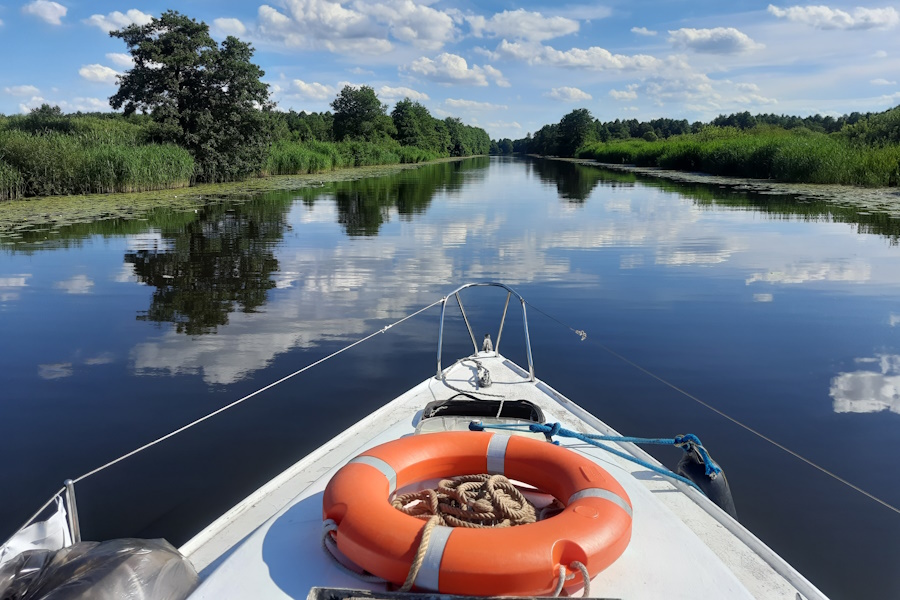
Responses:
[562,578]
[248,396]
[330,546]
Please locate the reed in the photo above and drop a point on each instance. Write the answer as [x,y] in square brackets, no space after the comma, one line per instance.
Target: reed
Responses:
[798,156]
[10,182]
[54,163]
[288,157]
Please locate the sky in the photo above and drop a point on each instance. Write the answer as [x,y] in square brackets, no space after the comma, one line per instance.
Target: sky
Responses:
[507,67]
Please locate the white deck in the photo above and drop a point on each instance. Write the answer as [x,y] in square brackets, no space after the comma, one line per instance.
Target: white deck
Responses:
[682,546]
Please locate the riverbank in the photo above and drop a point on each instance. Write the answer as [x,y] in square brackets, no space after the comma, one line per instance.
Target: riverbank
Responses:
[875,199]
[769,153]
[51,212]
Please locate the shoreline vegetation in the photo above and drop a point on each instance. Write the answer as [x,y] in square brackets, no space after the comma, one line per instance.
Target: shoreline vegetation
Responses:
[195,111]
[47,153]
[856,149]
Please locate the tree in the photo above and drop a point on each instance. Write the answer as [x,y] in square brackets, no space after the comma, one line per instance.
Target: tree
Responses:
[360,115]
[416,127]
[575,130]
[206,98]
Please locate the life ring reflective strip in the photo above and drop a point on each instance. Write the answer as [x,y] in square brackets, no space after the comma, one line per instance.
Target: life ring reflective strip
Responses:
[594,528]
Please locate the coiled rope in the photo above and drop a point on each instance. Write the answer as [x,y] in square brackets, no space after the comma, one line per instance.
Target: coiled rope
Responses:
[475,501]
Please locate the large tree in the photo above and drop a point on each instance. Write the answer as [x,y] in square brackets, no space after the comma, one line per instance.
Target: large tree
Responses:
[575,130]
[360,115]
[206,98]
[416,127]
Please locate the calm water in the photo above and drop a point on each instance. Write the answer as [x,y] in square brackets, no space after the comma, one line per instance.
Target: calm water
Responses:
[785,314]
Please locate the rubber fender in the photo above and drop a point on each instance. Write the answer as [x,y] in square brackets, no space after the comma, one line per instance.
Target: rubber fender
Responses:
[717,490]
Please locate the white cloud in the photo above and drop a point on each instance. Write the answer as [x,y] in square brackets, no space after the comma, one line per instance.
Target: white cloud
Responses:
[629,94]
[453,69]
[98,73]
[643,31]
[361,29]
[361,71]
[568,94]
[22,90]
[79,284]
[882,82]
[313,91]
[823,17]
[719,40]
[392,94]
[762,297]
[411,22]
[120,59]
[879,54]
[522,24]
[117,20]
[229,26]
[593,58]
[31,103]
[50,12]
[473,105]
[85,105]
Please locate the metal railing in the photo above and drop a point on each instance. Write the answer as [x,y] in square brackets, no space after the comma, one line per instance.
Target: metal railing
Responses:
[509,293]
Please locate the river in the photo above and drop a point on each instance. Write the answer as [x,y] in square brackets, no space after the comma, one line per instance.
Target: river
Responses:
[780,310]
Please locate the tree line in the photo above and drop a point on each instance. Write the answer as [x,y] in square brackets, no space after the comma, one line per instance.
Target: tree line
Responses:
[855,149]
[193,110]
[579,128]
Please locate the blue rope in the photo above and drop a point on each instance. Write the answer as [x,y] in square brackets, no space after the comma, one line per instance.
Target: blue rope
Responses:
[685,442]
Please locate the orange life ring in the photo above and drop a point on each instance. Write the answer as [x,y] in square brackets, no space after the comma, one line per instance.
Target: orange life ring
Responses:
[594,528]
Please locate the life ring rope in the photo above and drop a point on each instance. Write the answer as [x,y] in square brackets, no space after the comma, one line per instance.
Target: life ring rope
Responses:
[592,529]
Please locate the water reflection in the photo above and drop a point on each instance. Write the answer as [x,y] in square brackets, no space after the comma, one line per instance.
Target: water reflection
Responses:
[214,265]
[874,389]
[365,205]
[11,286]
[574,182]
[78,284]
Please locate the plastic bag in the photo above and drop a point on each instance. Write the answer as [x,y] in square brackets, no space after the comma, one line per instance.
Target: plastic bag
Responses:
[126,569]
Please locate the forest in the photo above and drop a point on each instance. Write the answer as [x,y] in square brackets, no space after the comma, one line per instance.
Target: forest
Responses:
[195,111]
[855,149]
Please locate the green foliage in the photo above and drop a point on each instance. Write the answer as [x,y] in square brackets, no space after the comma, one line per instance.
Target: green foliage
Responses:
[874,130]
[575,130]
[204,97]
[10,182]
[57,163]
[798,155]
[360,115]
[416,127]
[466,140]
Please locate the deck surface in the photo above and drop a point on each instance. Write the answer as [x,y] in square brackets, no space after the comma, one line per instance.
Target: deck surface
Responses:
[682,546]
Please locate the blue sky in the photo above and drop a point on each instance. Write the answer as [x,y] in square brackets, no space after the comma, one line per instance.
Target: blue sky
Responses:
[507,67]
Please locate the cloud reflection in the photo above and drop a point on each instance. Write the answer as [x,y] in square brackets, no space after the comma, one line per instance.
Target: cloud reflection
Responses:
[10,286]
[852,272]
[867,391]
[79,284]
[55,371]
